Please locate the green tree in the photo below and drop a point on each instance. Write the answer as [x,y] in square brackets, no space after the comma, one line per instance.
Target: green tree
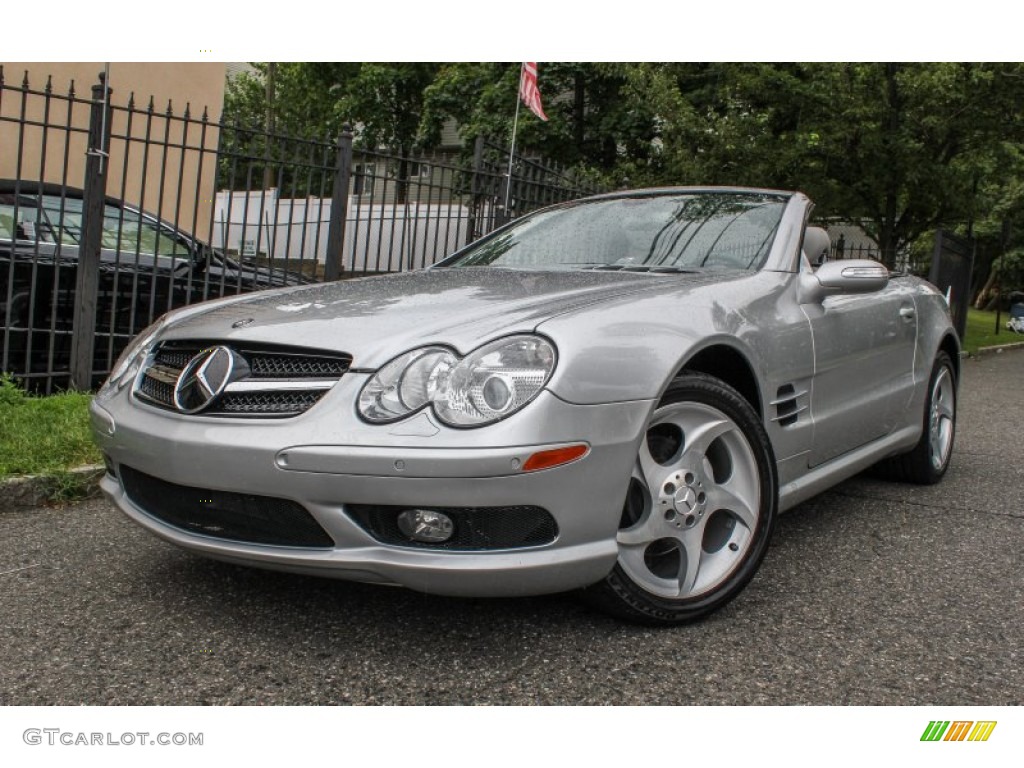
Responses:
[308,97]
[385,104]
[998,225]
[382,102]
[904,148]
[896,146]
[595,119]
[263,124]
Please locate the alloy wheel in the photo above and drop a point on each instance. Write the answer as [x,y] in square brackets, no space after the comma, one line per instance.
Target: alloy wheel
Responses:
[693,502]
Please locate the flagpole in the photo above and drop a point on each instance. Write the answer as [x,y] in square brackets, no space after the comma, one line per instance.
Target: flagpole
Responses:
[515,127]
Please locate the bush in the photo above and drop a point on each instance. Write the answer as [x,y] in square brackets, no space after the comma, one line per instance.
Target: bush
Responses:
[10,392]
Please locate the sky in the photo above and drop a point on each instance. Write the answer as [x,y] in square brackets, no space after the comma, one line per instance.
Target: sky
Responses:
[542,30]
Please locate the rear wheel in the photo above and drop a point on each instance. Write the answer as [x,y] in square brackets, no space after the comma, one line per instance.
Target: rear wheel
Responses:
[928,461]
[699,509]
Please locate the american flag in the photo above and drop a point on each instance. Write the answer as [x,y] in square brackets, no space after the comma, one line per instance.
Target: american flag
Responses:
[528,90]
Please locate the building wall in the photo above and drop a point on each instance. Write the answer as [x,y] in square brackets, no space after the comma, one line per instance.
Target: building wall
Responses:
[178,188]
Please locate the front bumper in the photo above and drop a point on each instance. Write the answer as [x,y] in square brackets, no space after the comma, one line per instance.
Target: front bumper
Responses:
[328,458]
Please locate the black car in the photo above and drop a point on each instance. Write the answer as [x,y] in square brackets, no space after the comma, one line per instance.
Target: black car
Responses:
[147,267]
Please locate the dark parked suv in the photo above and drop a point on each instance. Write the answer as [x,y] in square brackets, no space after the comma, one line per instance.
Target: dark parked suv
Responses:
[147,267]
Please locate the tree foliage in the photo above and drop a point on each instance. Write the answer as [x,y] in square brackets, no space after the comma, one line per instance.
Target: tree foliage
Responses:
[383,102]
[897,147]
[594,119]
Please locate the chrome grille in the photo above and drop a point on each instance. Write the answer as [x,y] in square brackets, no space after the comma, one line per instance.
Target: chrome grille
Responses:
[174,358]
[157,391]
[280,382]
[275,366]
[275,403]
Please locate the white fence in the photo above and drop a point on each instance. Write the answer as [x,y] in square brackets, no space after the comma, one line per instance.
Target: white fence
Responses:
[378,237]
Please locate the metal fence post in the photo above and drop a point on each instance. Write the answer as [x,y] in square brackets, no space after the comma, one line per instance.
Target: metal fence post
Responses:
[475,197]
[339,207]
[936,268]
[88,270]
[952,266]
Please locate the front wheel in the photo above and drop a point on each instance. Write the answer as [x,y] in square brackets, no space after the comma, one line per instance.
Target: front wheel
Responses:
[699,509]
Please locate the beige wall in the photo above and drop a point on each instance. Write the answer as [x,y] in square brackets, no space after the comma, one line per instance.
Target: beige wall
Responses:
[199,85]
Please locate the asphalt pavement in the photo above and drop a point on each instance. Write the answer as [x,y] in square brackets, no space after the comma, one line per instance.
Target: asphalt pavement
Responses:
[873,593]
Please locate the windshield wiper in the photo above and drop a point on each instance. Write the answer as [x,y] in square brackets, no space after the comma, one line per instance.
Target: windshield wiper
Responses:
[645,268]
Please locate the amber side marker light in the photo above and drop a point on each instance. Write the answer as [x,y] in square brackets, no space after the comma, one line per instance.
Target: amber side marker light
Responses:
[554,458]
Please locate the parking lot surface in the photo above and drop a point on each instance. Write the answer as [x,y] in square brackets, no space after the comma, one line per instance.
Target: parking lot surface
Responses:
[873,593]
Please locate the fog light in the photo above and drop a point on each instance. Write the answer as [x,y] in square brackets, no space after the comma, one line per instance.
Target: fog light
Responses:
[426,525]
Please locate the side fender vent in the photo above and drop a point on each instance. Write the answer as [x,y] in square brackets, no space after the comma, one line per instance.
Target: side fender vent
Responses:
[788,405]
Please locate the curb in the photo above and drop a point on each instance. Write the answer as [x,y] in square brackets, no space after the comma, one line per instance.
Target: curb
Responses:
[19,493]
[999,348]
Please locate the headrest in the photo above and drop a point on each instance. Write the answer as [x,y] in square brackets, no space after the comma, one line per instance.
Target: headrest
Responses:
[817,245]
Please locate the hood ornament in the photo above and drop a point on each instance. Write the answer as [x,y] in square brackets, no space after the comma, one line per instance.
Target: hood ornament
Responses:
[204,379]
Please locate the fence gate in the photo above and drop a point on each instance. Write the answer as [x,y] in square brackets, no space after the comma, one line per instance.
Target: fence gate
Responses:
[952,263]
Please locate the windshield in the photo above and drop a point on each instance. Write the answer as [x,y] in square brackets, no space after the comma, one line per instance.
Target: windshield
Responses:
[671,232]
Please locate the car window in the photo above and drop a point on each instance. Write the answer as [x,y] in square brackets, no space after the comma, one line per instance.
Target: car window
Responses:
[64,217]
[21,218]
[683,231]
[127,231]
[50,219]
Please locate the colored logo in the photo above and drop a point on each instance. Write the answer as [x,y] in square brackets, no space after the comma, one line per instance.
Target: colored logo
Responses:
[958,730]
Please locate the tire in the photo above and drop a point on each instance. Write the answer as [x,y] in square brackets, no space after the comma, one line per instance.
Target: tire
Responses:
[927,462]
[699,510]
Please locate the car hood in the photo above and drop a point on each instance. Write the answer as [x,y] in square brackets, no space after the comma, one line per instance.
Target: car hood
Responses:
[376,318]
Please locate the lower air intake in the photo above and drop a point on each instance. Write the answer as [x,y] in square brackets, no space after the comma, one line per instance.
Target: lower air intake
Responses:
[240,517]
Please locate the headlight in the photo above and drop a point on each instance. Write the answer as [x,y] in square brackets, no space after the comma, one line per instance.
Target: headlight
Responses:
[127,365]
[405,384]
[487,385]
[494,381]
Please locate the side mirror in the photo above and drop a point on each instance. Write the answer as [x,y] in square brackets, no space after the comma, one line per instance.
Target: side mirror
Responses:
[842,277]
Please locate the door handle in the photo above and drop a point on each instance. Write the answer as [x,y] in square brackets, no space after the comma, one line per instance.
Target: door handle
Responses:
[907,313]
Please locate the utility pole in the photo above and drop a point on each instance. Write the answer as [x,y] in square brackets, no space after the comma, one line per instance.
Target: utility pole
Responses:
[268,174]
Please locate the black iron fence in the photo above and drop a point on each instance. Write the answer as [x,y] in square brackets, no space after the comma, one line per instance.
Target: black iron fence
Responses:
[841,250]
[951,269]
[111,214]
[906,261]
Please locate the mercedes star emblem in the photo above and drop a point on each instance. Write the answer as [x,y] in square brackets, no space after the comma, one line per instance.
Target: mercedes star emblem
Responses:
[204,379]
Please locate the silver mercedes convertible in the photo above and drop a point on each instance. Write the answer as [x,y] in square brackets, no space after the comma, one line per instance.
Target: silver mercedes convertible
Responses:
[616,395]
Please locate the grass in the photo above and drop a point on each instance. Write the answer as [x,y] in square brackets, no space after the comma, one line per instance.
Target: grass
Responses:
[981,331]
[44,435]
